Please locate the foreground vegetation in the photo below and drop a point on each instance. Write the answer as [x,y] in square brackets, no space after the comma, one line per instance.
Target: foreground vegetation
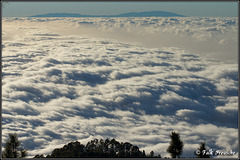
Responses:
[13,149]
[98,148]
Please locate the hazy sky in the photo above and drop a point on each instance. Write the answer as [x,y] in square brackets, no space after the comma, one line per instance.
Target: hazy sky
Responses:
[204,9]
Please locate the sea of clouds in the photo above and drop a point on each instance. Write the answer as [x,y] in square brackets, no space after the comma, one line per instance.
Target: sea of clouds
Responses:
[132,79]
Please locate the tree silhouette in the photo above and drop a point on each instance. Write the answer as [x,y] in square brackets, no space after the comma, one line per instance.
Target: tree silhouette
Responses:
[176,145]
[143,154]
[202,151]
[151,154]
[39,156]
[12,149]
[96,149]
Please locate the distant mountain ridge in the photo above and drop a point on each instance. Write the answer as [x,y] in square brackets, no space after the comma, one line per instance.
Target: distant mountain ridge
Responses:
[130,14]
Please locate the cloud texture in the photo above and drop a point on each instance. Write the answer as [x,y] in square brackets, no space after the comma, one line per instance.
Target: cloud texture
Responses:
[59,87]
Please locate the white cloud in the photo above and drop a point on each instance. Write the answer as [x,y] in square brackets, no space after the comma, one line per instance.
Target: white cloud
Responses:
[65,85]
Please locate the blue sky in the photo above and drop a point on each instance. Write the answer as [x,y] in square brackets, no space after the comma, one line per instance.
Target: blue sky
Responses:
[202,9]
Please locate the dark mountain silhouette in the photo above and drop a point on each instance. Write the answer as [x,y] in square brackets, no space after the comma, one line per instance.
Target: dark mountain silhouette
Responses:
[150,14]
[131,14]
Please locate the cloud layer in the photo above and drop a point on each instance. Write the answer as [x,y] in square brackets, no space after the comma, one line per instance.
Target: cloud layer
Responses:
[59,87]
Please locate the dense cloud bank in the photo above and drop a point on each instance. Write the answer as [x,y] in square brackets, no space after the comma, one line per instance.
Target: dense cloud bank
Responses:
[208,36]
[199,27]
[59,88]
